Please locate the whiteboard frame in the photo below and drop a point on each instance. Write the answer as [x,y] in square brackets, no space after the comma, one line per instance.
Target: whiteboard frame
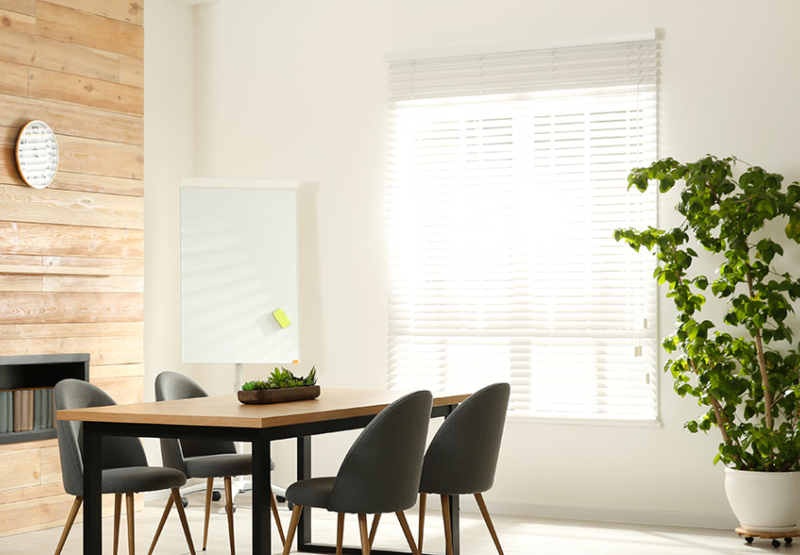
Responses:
[237,183]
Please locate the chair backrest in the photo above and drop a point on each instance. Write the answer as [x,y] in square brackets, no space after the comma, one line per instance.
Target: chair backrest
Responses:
[117,452]
[169,387]
[462,457]
[380,473]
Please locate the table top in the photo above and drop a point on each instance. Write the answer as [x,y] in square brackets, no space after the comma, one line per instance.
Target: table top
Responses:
[227,411]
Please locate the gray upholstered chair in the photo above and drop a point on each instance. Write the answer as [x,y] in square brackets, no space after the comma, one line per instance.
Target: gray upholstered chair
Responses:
[207,458]
[124,463]
[380,473]
[462,457]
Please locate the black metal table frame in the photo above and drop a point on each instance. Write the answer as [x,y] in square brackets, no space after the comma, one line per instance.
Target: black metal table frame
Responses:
[259,438]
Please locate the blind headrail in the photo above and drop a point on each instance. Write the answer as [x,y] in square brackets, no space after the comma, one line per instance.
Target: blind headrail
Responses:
[477,49]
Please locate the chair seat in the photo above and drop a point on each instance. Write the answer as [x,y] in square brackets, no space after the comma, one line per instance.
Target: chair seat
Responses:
[215,466]
[141,478]
[315,492]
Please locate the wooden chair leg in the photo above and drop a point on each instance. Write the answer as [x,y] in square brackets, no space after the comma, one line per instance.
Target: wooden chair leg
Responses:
[176,496]
[131,532]
[209,494]
[167,509]
[229,510]
[73,512]
[362,525]
[374,530]
[422,499]
[274,503]
[488,520]
[117,514]
[292,527]
[339,533]
[401,516]
[448,533]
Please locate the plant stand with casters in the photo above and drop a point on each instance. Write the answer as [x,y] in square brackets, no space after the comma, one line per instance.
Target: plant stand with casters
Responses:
[775,537]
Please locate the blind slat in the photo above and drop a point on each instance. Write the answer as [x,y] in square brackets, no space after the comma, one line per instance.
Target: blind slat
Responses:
[506,178]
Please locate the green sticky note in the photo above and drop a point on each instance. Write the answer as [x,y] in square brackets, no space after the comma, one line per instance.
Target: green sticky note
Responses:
[281,318]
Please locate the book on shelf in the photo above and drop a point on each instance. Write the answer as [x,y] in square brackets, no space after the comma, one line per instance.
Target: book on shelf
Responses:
[17,427]
[24,410]
[3,415]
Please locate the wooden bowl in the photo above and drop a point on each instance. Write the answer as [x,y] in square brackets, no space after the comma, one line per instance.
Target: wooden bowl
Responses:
[267,396]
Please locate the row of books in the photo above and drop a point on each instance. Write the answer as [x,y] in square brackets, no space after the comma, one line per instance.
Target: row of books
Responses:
[23,410]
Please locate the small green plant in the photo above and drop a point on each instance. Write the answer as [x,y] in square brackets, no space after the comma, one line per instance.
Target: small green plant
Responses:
[742,368]
[281,378]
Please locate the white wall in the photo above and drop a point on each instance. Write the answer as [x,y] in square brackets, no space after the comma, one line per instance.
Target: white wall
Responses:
[169,155]
[297,89]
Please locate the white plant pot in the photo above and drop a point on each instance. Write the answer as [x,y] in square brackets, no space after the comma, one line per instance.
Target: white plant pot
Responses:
[764,501]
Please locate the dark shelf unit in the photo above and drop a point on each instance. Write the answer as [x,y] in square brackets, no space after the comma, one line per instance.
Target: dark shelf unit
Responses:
[32,371]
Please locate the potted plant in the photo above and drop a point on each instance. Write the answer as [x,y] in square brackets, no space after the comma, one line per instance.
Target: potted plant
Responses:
[281,386]
[740,365]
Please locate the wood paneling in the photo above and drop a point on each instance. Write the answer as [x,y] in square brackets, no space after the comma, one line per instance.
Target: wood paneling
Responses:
[126,284]
[58,22]
[72,58]
[35,492]
[77,65]
[100,158]
[131,71]
[103,350]
[126,267]
[124,390]
[63,308]
[25,204]
[50,466]
[20,282]
[20,469]
[16,47]
[70,241]
[97,183]
[14,78]
[39,331]
[86,91]
[124,10]
[75,121]
[19,6]
[117,370]
[16,21]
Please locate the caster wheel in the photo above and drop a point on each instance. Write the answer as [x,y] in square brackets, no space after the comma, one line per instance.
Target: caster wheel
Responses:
[776,543]
[216,496]
[280,499]
[787,540]
[749,540]
[184,502]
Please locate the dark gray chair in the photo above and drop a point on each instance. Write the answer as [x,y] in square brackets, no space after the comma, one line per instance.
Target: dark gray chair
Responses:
[380,473]
[206,458]
[124,464]
[462,457]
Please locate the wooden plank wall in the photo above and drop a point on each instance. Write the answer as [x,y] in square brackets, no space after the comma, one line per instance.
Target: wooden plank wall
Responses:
[78,66]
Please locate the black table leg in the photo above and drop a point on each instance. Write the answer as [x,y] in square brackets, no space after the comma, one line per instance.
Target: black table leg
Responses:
[92,500]
[303,473]
[262,527]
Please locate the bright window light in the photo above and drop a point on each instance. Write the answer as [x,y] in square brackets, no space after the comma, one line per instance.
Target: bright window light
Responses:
[507,177]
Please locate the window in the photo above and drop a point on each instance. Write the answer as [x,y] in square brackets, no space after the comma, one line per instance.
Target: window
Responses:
[507,177]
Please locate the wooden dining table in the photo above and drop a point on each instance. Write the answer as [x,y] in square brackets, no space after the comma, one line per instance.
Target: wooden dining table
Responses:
[223,417]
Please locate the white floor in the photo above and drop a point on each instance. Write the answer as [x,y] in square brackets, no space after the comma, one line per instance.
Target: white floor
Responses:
[519,535]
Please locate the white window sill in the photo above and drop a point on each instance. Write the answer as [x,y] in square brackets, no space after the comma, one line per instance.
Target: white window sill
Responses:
[519,419]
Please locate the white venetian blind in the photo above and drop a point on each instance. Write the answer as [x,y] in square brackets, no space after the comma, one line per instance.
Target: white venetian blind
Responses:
[507,177]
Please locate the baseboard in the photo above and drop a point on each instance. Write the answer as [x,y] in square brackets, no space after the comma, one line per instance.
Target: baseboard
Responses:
[604,514]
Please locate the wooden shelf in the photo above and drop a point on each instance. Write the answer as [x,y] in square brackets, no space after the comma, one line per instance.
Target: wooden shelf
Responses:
[59,270]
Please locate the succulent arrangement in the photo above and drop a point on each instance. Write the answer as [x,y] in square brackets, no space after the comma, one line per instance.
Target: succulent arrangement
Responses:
[281,378]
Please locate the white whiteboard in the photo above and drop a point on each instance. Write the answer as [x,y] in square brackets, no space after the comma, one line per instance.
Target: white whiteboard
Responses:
[239,265]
